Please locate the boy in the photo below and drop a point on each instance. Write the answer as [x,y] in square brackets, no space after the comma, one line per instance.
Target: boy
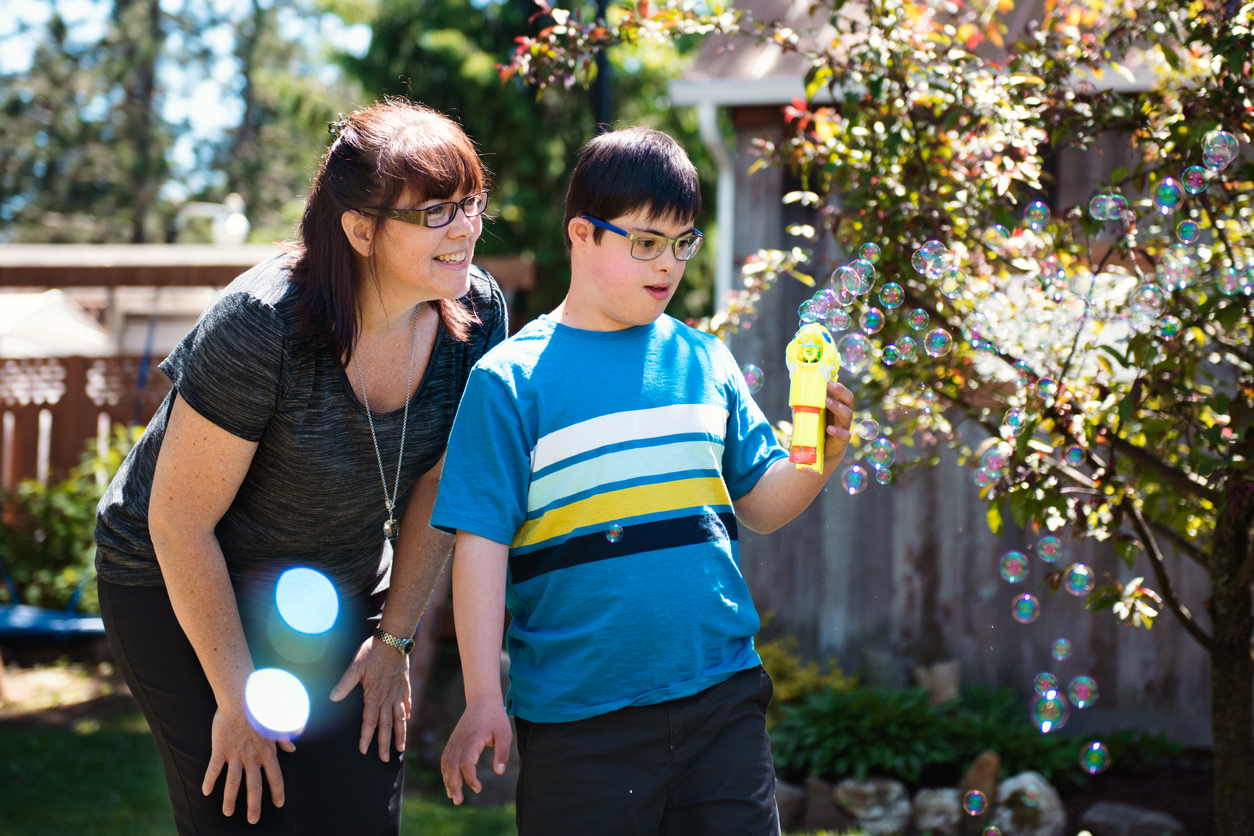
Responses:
[595,475]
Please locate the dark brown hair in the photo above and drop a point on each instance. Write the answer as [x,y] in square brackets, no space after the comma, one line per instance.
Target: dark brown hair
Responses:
[393,148]
[623,171]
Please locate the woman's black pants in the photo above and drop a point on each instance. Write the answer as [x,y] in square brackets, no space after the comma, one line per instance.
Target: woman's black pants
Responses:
[330,786]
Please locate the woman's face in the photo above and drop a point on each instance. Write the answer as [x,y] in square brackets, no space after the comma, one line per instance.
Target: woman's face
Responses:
[416,260]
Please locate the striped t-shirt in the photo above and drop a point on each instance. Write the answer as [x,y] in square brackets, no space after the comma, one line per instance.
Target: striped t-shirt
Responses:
[608,461]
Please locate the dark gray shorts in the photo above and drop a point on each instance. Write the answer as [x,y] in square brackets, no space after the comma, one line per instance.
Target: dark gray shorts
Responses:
[696,765]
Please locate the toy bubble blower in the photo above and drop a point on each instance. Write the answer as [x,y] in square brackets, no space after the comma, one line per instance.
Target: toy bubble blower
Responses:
[812,359]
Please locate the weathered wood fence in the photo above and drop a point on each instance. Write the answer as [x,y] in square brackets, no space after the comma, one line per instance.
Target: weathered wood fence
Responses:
[52,407]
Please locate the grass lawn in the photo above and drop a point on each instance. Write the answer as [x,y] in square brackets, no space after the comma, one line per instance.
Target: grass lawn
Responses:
[107,781]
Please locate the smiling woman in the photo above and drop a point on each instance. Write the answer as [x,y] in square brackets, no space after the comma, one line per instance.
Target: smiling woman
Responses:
[304,439]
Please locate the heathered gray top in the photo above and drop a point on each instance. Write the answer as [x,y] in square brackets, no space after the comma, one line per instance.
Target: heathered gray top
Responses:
[312,495]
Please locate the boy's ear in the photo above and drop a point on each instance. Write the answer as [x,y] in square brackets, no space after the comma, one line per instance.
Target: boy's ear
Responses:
[580,231]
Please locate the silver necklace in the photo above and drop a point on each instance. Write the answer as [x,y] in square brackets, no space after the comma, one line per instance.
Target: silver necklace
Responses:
[391,528]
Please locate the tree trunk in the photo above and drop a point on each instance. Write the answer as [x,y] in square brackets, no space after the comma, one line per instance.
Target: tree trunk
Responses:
[1232,668]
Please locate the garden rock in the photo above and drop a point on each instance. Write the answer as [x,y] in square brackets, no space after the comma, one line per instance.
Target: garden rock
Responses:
[880,806]
[821,812]
[938,811]
[1018,815]
[790,801]
[1110,819]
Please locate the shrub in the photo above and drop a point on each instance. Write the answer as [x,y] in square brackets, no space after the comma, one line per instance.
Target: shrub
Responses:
[47,535]
[794,681]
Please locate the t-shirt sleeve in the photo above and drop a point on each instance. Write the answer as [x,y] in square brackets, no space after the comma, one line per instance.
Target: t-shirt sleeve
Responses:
[228,368]
[750,446]
[487,469]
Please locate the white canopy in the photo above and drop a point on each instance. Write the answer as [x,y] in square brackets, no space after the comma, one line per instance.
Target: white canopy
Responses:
[49,324]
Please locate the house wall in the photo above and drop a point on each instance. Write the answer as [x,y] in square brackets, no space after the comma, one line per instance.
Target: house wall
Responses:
[907,574]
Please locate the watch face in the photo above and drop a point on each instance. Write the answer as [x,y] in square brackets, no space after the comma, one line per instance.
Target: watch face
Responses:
[407,646]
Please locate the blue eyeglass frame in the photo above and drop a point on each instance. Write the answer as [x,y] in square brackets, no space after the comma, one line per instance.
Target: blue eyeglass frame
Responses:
[633,237]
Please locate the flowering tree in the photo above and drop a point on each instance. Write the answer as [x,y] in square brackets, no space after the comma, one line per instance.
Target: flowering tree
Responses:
[1106,347]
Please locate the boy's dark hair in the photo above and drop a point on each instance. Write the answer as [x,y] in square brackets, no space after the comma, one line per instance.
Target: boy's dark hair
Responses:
[621,172]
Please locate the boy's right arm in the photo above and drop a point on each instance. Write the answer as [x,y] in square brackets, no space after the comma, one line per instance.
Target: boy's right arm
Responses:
[479,567]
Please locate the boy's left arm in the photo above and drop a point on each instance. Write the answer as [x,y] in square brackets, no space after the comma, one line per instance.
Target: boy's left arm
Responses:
[783,492]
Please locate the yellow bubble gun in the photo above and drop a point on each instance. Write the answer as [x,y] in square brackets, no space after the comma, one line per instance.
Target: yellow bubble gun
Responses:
[812,359]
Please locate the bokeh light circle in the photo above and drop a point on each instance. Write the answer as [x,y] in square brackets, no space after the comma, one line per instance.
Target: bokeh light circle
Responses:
[276,701]
[307,600]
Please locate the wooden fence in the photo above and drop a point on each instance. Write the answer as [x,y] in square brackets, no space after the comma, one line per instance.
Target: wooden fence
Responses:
[52,407]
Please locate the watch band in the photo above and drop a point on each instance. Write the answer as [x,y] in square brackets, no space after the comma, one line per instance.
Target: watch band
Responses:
[403,645]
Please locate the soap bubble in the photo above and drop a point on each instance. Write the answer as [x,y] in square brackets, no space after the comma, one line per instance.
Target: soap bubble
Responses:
[996,458]
[991,830]
[1036,215]
[974,803]
[1049,548]
[1046,387]
[1099,207]
[982,477]
[1079,579]
[854,480]
[952,282]
[753,377]
[1147,303]
[1167,195]
[1229,282]
[838,320]
[1073,455]
[1060,649]
[852,282]
[1049,711]
[883,475]
[891,355]
[1024,371]
[906,348]
[938,343]
[1188,231]
[1116,205]
[1169,327]
[856,353]
[1044,683]
[891,295]
[996,237]
[806,312]
[1195,179]
[1026,608]
[614,533]
[1030,795]
[1094,757]
[920,261]
[868,428]
[1083,691]
[1178,267]
[276,701]
[825,301]
[918,319]
[872,320]
[1014,567]
[869,252]
[1218,149]
[307,600]
[1015,422]
[865,271]
[882,453]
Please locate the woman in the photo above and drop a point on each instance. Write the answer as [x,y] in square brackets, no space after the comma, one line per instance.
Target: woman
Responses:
[311,406]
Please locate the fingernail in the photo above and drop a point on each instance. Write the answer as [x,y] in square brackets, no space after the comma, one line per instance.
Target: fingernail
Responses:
[385,758]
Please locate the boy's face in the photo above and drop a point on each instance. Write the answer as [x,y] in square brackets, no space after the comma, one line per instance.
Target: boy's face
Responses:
[610,290]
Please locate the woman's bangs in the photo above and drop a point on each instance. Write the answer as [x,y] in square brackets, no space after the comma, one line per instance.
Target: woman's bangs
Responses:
[440,168]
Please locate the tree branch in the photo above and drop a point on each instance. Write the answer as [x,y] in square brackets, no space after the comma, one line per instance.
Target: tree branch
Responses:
[1164,581]
[1174,476]
[1180,542]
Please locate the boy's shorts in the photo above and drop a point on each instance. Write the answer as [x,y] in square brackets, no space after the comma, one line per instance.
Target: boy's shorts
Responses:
[695,765]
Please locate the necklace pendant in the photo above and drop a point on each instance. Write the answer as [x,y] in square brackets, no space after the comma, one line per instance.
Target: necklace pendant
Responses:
[391,529]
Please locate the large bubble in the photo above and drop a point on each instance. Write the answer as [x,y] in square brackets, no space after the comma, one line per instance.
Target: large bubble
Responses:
[1218,149]
[855,479]
[996,237]
[1014,566]
[1079,579]
[856,353]
[1044,683]
[753,377]
[1083,691]
[906,347]
[869,252]
[872,320]
[1049,711]
[276,701]
[918,319]
[1026,609]
[891,295]
[1195,179]
[882,453]
[1049,548]
[938,343]
[1036,215]
[307,600]
[838,320]
[1168,195]
[1015,421]
[974,803]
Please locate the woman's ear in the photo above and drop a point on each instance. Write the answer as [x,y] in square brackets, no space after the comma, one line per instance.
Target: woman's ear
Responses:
[360,231]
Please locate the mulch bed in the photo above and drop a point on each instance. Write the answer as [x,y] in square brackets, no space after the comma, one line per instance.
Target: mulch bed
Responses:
[1186,792]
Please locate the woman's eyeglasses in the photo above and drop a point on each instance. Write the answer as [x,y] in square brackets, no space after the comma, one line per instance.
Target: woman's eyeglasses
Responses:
[434,217]
[649,247]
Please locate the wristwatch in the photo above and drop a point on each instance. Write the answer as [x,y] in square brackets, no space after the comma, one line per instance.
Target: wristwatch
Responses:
[403,645]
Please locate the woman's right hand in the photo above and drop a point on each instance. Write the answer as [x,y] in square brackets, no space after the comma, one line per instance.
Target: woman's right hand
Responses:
[245,753]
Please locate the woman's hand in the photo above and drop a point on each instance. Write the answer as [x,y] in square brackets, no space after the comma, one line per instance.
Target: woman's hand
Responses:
[245,753]
[384,676]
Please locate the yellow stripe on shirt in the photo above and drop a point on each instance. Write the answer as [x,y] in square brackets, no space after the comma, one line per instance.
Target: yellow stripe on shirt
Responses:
[622,505]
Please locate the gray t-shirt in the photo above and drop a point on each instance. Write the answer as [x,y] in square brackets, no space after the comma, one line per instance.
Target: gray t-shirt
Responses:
[312,496]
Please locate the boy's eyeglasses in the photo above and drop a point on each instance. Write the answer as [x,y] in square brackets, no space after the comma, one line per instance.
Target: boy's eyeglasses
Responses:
[434,217]
[649,247]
